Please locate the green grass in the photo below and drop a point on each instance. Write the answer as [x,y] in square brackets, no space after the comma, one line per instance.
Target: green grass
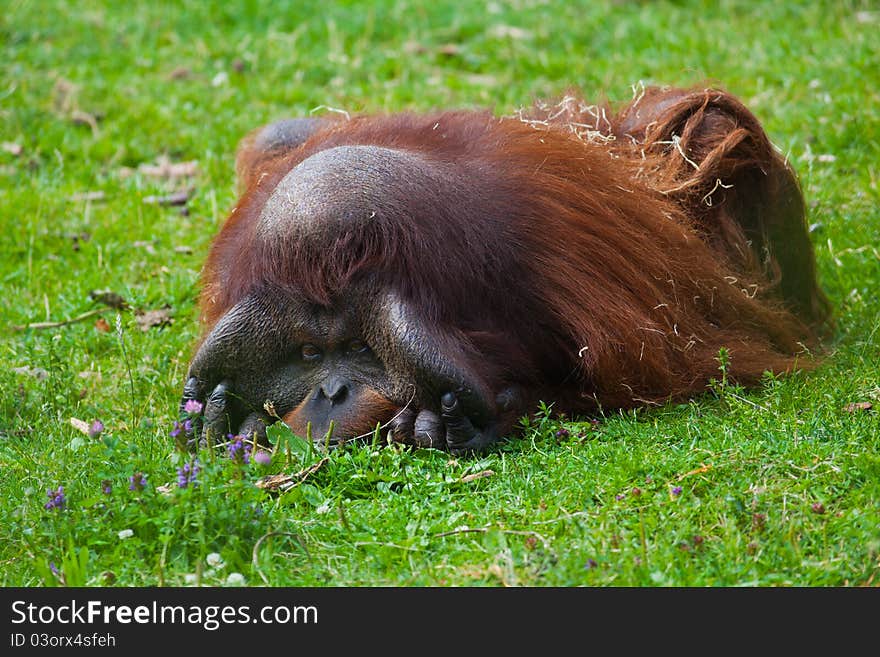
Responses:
[779,486]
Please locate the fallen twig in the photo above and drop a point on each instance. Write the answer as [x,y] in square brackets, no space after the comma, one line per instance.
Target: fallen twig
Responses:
[476,475]
[284,482]
[703,468]
[64,322]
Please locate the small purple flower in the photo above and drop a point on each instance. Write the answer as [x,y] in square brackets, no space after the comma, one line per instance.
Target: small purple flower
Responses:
[187,474]
[619,496]
[239,450]
[563,433]
[54,569]
[262,457]
[106,486]
[591,563]
[186,427]
[193,407]
[676,491]
[96,428]
[137,481]
[56,498]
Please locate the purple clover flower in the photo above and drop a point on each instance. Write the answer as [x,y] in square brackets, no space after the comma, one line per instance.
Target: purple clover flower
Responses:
[137,481]
[676,491]
[187,474]
[56,498]
[106,486]
[181,427]
[96,428]
[262,457]
[239,450]
[193,406]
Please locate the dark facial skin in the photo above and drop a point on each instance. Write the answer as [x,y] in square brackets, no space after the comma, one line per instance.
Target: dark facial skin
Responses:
[355,364]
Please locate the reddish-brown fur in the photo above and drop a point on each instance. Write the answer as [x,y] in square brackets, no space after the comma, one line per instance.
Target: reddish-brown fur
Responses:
[632,241]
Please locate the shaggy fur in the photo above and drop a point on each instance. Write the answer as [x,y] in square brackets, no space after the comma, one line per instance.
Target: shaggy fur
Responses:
[586,257]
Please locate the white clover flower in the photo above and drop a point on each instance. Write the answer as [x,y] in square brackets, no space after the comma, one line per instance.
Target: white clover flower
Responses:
[125,533]
[190,579]
[324,508]
[215,560]
[235,579]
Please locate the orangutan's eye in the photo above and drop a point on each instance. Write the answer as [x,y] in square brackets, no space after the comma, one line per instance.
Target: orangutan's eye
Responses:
[311,353]
[357,347]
